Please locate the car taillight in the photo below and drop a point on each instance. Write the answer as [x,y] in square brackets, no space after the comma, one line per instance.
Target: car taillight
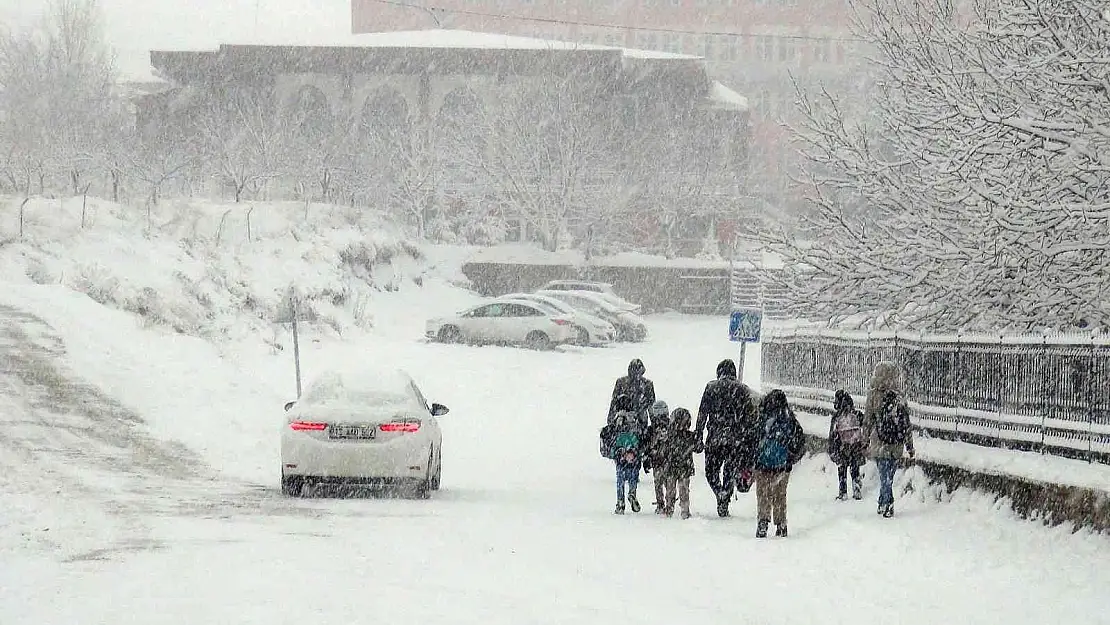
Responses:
[561,322]
[400,426]
[313,426]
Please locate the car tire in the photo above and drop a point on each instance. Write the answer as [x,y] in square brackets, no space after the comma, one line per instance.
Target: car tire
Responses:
[583,339]
[538,340]
[438,477]
[292,485]
[424,486]
[449,334]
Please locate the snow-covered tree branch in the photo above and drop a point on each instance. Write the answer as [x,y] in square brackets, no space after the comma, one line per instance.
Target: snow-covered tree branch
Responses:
[977,194]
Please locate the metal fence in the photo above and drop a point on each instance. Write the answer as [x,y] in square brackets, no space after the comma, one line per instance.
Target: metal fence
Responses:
[1044,393]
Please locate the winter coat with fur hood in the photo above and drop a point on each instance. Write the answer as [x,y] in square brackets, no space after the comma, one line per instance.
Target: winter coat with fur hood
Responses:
[887,377]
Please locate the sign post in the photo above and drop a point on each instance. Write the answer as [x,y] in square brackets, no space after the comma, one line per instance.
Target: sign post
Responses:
[291,313]
[744,326]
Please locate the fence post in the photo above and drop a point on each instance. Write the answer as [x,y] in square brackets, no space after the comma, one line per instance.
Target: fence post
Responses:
[959,365]
[1090,401]
[249,211]
[999,390]
[1044,413]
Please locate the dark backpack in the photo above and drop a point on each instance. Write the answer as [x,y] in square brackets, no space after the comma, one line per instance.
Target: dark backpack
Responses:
[775,448]
[890,426]
[608,438]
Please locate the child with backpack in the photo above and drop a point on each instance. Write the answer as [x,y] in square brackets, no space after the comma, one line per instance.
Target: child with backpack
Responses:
[886,425]
[781,447]
[846,444]
[621,442]
[656,439]
[677,454]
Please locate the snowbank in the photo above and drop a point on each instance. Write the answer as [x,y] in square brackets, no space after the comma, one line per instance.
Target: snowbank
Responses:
[213,270]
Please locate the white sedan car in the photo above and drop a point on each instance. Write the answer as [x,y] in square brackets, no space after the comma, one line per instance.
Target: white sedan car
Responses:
[592,330]
[630,326]
[363,427]
[505,322]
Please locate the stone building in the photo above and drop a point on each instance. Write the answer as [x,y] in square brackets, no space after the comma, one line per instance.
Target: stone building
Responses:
[464,111]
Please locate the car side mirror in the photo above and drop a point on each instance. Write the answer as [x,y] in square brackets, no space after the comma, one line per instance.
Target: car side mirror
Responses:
[439,410]
[289,405]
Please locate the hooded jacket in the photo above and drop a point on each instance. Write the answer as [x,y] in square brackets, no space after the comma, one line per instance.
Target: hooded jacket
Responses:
[887,377]
[840,452]
[638,388]
[776,415]
[727,415]
[676,453]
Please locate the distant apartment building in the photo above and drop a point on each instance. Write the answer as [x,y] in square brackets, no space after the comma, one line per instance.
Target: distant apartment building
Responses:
[757,47]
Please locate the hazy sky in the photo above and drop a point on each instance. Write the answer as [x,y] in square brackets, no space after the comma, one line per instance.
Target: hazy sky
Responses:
[174,24]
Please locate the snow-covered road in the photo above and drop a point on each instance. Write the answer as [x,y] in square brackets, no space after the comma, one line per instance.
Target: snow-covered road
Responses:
[523,530]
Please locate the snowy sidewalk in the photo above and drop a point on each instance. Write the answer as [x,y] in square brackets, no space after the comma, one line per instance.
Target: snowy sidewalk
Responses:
[1042,468]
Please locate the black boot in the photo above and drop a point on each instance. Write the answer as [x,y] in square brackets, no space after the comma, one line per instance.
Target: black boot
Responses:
[633,502]
[761,529]
[889,512]
[620,507]
[780,530]
[722,509]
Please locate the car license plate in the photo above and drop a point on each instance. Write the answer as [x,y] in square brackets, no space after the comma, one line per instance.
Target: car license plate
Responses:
[362,432]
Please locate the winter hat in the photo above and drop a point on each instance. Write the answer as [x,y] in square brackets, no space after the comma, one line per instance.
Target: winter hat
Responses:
[843,401]
[681,418]
[726,369]
[660,408]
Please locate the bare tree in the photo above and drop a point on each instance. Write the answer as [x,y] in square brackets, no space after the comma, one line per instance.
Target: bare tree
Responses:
[58,106]
[977,195]
[245,139]
[547,141]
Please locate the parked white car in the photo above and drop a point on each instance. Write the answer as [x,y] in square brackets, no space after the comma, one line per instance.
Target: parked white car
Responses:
[371,427]
[505,322]
[629,326]
[603,290]
[592,330]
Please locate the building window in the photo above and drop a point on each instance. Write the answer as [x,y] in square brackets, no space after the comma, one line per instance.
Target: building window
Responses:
[787,49]
[821,49]
[707,47]
[764,47]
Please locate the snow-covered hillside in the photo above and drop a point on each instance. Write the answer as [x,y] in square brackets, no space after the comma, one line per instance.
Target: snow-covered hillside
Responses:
[219,271]
[139,479]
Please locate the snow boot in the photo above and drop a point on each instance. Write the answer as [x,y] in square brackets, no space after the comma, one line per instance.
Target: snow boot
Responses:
[685,514]
[659,507]
[857,490]
[843,496]
[620,507]
[889,512]
[761,529]
[780,530]
[633,502]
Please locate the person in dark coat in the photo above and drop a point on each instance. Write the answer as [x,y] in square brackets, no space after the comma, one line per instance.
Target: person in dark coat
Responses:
[656,436]
[782,445]
[638,388]
[728,419]
[847,447]
[677,456]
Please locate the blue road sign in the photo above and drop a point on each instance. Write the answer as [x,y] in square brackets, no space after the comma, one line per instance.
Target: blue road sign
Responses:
[745,325]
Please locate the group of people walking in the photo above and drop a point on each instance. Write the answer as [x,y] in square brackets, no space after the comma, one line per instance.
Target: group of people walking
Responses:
[747,441]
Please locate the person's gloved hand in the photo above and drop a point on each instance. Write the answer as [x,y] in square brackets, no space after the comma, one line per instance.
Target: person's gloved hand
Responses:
[699,448]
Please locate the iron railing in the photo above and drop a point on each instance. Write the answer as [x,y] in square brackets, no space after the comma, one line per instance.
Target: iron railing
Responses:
[1041,393]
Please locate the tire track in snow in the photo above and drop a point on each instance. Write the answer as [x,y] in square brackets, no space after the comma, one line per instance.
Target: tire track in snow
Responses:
[82,467]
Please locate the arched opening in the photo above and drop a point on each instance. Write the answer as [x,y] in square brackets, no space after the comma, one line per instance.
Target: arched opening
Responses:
[309,113]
